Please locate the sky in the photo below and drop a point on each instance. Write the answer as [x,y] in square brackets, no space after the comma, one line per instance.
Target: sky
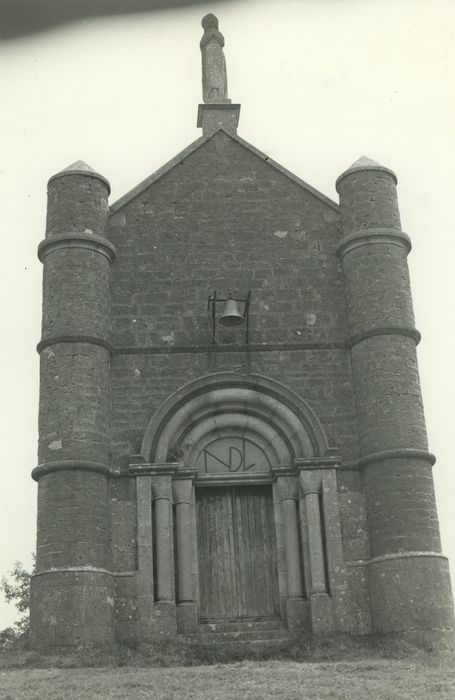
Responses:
[321,82]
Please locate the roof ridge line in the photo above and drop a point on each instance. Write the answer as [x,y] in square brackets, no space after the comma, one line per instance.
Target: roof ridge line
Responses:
[162,170]
[292,176]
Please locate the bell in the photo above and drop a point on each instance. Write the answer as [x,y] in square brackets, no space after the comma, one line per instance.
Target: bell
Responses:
[231,315]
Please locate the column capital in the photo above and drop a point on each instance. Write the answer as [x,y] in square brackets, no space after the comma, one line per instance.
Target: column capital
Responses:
[310,482]
[162,486]
[287,487]
[182,489]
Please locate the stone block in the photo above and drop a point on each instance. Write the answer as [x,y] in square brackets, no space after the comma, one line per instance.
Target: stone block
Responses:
[186,618]
[297,613]
[164,621]
[322,617]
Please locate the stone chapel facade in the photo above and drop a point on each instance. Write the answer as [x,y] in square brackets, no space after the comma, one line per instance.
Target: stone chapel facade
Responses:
[231,427]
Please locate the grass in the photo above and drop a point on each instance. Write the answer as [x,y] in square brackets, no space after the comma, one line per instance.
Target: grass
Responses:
[344,680]
[345,669]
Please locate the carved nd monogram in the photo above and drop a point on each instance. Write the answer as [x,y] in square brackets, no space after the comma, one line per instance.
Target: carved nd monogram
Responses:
[235,454]
[234,458]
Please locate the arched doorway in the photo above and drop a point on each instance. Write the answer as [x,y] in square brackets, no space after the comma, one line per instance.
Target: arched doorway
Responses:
[231,442]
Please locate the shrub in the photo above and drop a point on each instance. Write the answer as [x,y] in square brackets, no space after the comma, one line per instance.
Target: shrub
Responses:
[15,587]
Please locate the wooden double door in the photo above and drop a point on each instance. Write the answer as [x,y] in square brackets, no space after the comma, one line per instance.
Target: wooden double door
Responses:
[236,553]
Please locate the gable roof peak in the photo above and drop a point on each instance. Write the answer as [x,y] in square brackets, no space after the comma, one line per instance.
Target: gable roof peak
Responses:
[189,150]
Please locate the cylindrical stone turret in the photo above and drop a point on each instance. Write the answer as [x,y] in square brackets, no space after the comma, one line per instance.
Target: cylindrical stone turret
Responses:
[72,591]
[409,580]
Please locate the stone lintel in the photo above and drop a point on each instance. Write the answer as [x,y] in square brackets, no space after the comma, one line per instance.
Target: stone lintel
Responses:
[221,115]
[234,479]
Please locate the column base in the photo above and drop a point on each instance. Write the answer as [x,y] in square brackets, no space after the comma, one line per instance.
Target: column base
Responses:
[322,620]
[297,613]
[165,616]
[186,617]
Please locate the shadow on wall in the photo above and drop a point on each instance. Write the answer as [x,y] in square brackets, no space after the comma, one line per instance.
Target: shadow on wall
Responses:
[21,17]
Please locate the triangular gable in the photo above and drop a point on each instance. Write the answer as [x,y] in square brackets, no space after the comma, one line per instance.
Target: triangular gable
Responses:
[194,147]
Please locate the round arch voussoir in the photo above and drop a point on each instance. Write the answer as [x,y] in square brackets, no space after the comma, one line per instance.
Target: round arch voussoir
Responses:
[249,403]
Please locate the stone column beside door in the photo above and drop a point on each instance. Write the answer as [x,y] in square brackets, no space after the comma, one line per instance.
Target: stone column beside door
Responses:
[165,612]
[321,535]
[287,489]
[145,593]
[155,575]
[183,497]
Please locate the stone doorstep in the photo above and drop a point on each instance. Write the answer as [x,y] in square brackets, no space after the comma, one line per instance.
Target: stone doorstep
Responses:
[240,647]
[240,626]
[257,636]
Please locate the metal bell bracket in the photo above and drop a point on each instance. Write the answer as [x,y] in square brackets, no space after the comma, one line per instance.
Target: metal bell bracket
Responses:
[211,309]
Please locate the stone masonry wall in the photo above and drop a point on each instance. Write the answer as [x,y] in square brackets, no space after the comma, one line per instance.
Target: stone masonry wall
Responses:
[126,326]
[142,382]
[225,220]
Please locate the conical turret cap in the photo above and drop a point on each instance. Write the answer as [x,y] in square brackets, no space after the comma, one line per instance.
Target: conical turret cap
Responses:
[364,163]
[79,167]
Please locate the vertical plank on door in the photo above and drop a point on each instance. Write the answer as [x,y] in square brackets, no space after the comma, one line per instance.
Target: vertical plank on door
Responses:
[256,554]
